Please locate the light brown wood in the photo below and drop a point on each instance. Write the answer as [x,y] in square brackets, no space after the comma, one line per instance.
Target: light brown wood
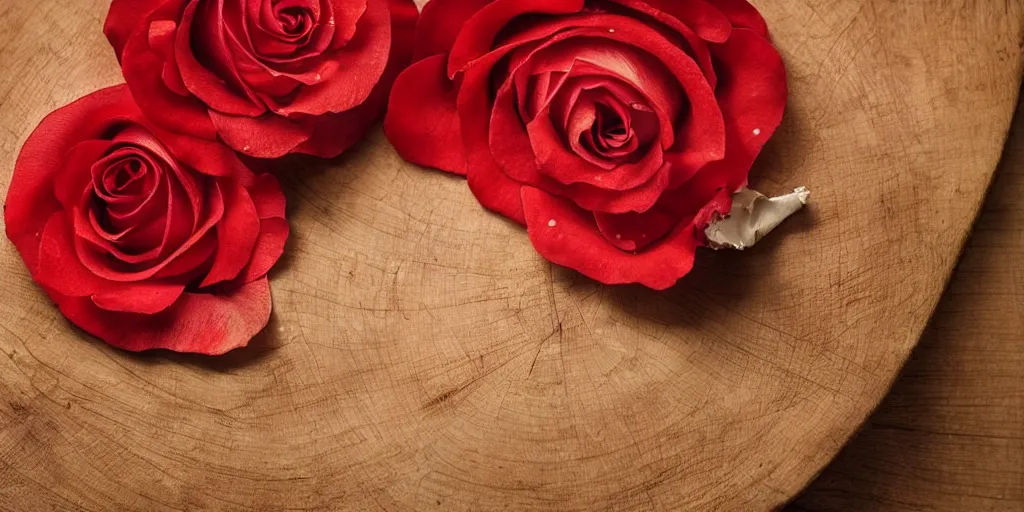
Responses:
[950,436]
[423,357]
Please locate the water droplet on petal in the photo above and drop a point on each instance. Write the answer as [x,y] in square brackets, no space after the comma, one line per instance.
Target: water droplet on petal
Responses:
[552,223]
[757,131]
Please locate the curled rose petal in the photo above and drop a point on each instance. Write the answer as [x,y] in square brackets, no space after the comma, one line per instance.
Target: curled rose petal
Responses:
[422,121]
[211,324]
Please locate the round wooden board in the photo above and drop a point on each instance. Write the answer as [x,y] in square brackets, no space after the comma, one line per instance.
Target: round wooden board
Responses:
[421,356]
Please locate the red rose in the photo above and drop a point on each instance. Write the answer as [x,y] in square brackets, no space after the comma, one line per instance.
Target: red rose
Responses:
[613,129]
[269,77]
[143,238]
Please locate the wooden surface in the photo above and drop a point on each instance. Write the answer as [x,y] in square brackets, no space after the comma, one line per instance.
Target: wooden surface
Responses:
[950,436]
[423,357]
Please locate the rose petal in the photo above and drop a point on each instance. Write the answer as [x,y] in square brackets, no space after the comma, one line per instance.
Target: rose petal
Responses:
[269,248]
[31,196]
[143,71]
[212,214]
[236,235]
[209,157]
[267,136]
[477,35]
[268,198]
[707,21]
[492,188]
[742,15]
[199,323]
[440,23]
[698,46]
[75,175]
[148,297]
[59,267]
[568,236]
[422,121]
[752,95]
[635,231]
[331,134]
[123,19]
[211,85]
[360,65]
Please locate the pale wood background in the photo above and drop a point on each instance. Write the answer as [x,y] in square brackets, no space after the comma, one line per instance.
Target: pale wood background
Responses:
[950,435]
[423,357]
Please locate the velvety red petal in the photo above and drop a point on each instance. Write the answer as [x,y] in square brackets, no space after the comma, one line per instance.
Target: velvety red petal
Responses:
[76,174]
[267,136]
[269,248]
[743,15]
[143,70]
[209,157]
[422,122]
[636,231]
[404,18]
[31,198]
[125,17]
[543,153]
[148,297]
[360,65]
[191,264]
[440,23]
[566,235]
[708,22]
[698,46]
[493,188]
[236,235]
[212,214]
[752,95]
[59,267]
[198,323]
[268,198]
[210,87]
[478,33]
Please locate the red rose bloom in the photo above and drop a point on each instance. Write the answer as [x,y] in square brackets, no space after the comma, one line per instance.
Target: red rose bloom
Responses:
[143,238]
[269,77]
[613,129]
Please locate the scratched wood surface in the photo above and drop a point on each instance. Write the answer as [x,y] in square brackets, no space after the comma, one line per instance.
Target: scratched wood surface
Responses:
[422,356]
[950,435]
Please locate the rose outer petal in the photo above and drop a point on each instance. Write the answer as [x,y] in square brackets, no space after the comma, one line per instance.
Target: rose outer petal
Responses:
[266,136]
[752,96]
[269,249]
[148,297]
[211,324]
[422,122]
[440,23]
[236,235]
[332,134]
[742,15]
[123,19]
[143,71]
[477,36]
[566,235]
[31,197]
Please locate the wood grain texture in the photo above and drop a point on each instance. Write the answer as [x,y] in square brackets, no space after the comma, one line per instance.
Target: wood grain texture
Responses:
[422,356]
[950,436]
